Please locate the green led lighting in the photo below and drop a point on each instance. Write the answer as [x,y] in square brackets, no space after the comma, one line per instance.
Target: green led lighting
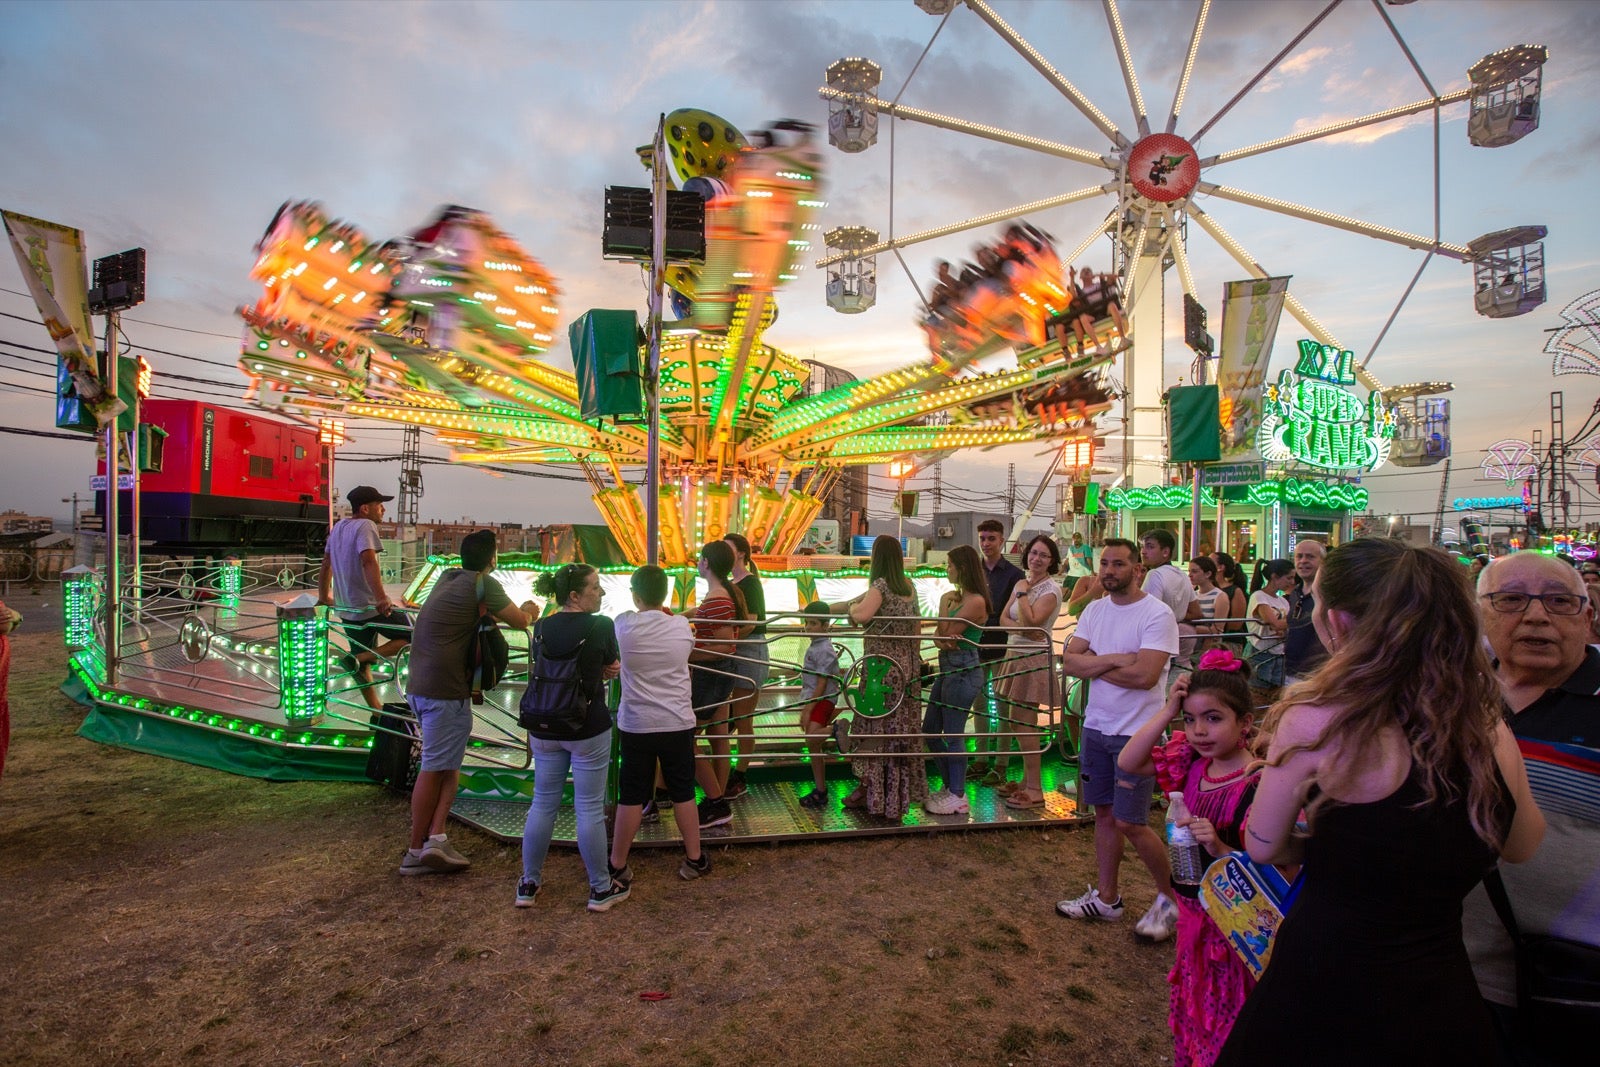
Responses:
[1296,492]
[80,596]
[303,667]
[1316,422]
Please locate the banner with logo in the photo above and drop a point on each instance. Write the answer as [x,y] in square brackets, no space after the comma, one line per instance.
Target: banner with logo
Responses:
[52,260]
[1250,313]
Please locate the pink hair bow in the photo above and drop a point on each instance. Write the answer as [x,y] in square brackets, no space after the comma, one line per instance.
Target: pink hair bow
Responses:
[1220,659]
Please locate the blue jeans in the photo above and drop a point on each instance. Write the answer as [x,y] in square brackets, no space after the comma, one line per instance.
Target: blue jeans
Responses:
[589,761]
[959,681]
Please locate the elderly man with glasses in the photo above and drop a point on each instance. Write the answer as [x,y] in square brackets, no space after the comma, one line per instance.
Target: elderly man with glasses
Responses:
[1537,617]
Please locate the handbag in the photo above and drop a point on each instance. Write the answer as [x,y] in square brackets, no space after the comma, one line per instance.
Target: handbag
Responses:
[1558,982]
[488,653]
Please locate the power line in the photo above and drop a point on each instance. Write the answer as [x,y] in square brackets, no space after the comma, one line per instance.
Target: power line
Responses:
[19,431]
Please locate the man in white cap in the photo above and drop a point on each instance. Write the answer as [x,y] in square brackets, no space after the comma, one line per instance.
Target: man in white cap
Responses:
[351,583]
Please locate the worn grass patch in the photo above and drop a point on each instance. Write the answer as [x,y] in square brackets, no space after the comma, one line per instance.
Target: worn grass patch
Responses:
[156,912]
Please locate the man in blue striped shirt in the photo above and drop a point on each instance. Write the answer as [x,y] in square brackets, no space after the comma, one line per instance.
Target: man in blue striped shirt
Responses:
[1537,617]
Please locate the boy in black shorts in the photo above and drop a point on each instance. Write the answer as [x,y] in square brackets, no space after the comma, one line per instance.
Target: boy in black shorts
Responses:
[655,722]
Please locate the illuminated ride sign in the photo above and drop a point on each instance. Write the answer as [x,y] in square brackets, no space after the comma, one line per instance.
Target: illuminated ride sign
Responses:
[1316,422]
[1295,492]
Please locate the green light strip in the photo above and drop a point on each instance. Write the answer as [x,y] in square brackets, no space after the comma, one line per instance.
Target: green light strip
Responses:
[1296,492]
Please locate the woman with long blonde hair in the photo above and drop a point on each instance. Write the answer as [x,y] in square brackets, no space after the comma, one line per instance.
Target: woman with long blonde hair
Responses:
[1412,788]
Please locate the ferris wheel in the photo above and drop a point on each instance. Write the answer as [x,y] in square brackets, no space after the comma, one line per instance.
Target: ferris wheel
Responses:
[1153,172]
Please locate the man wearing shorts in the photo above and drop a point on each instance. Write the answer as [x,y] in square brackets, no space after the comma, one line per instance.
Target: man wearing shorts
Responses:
[1123,642]
[655,722]
[439,692]
[352,584]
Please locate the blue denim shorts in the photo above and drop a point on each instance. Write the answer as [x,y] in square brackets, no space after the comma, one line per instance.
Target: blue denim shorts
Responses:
[446,727]
[1105,783]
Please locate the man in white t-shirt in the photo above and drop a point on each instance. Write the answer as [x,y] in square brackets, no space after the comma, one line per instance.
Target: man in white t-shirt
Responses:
[1169,583]
[655,722]
[1123,642]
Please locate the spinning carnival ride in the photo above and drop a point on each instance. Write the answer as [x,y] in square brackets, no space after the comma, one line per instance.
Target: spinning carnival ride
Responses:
[1155,176]
[447,329]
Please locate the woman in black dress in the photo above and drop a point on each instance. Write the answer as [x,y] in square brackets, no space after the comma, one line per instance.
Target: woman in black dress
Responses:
[1412,786]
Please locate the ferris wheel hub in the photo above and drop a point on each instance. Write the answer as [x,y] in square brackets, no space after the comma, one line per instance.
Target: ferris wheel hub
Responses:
[1163,167]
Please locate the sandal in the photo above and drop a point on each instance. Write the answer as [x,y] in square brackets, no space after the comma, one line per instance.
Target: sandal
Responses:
[1023,799]
[993,778]
[856,801]
[1009,788]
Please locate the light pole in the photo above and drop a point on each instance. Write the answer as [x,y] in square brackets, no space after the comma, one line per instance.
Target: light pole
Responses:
[900,469]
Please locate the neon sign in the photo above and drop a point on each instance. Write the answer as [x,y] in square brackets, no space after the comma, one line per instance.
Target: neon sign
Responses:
[1317,422]
[1486,503]
[1296,492]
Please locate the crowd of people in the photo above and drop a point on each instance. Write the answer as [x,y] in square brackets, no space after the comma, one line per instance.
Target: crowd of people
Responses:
[1363,720]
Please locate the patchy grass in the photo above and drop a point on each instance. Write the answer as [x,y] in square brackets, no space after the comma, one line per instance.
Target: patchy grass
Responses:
[156,912]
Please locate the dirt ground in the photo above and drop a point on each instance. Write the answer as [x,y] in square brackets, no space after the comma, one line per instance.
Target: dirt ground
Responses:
[153,912]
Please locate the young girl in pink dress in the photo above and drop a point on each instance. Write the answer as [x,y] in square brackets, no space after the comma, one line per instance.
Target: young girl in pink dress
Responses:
[1209,760]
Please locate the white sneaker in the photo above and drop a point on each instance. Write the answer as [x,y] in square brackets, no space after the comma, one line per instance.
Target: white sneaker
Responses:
[1159,922]
[1090,906]
[945,803]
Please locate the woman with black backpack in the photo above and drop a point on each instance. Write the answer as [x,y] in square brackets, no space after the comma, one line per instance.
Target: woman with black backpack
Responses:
[577,631]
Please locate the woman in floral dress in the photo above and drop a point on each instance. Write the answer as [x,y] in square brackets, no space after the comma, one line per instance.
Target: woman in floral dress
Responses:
[890,786]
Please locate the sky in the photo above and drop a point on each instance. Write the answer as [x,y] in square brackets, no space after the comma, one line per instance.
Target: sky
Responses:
[182,127]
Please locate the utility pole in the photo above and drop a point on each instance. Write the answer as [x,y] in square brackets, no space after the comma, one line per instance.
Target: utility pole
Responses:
[938,488]
[410,476]
[1011,490]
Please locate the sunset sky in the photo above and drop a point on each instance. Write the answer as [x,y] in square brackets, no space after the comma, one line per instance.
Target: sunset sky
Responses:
[182,127]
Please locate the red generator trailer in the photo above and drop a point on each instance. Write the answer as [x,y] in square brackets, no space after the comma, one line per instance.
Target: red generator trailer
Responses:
[229,478]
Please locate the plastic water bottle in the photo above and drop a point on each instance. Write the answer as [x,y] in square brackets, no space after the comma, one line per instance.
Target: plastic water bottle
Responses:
[1188,856]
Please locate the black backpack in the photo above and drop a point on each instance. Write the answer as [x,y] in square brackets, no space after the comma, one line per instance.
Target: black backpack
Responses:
[555,705]
[488,654]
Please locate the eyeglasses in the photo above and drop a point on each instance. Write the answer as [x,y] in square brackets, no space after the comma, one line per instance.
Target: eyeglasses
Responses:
[1554,603]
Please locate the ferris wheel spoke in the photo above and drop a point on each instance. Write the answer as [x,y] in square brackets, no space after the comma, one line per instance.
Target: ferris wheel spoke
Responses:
[978,129]
[1094,234]
[1125,59]
[970,224]
[1271,63]
[1180,259]
[1398,305]
[1053,76]
[1334,128]
[1188,65]
[1343,222]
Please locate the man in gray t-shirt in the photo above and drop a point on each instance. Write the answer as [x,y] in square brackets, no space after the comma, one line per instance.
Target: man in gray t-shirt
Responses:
[439,692]
[351,583]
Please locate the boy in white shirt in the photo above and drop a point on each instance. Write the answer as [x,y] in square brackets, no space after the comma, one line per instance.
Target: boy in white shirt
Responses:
[655,722]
